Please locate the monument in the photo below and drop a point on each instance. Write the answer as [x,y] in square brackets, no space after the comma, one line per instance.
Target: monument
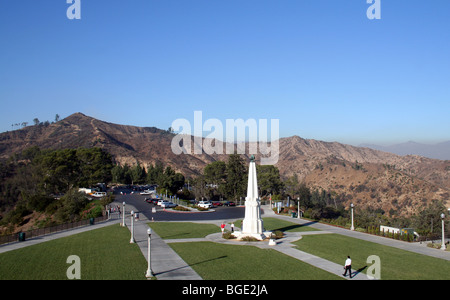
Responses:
[252,226]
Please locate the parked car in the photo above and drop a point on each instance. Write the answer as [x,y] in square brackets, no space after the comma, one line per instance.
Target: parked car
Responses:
[147,192]
[205,204]
[168,204]
[98,194]
[217,203]
[160,202]
[229,203]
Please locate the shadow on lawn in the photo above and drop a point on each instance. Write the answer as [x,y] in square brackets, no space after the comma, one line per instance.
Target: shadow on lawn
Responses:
[290,227]
[358,271]
[176,235]
[208,260]
[198,263]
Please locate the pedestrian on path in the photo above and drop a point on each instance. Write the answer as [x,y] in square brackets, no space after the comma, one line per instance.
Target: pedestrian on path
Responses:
[348,267]
[232,227]
[222,227]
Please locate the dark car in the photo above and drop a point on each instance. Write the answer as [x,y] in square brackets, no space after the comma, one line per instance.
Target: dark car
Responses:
[229,203]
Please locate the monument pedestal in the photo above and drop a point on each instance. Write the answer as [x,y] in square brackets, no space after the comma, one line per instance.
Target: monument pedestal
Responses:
[260,237]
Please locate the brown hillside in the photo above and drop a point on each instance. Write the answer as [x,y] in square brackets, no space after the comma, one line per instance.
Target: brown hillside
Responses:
[367,177]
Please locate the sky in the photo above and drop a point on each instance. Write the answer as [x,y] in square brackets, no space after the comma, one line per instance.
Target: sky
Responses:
[321,67]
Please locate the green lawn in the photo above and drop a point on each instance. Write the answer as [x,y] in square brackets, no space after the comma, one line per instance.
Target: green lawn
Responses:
[227,262]
[273,224]
[233,262]
[395,263]
[183,230]
[105,253]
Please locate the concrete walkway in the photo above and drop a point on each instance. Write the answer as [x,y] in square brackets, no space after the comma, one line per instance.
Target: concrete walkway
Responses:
[167,264]
[283,245]
[413,247]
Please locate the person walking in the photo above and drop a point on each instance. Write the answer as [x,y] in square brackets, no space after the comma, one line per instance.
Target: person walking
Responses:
[348,267]
[232,227]
[222,227]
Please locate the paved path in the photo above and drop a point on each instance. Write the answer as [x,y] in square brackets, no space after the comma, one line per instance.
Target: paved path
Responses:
[284,246]
[167,264]
[413,247]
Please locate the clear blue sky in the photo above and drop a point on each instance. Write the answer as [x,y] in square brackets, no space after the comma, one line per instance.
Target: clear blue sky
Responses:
[319,66]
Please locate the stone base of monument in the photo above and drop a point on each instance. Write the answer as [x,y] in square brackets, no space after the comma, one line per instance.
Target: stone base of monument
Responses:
[260,237]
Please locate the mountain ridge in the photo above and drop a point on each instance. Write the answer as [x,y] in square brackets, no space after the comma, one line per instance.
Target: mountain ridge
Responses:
[358,174]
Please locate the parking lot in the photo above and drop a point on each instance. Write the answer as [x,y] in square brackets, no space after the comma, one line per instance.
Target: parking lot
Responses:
[143,207]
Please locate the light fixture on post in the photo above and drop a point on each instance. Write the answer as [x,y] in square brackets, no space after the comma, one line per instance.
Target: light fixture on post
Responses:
[443,237]
[351,207]
[149,273]
[123,214]
[132,240]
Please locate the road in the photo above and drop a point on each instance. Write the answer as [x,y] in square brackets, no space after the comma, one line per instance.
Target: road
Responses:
[145,208]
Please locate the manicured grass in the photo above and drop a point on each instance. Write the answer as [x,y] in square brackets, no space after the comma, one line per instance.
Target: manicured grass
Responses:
[105,253]
[273,224]
[395,263]
[233,262]
[183,230]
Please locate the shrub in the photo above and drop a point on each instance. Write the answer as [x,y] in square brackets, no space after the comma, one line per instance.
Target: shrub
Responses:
[228,236]
[181,208]
[249,239]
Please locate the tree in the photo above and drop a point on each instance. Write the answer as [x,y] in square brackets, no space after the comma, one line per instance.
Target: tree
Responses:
[138,174]
[117,174]
[428,220]
[72,203]
[304,194]
[56,118]
[170,181]
[215,173]
[292,186]
[155,172]
[36,121]
[269,181]
[215,177]
[236,177]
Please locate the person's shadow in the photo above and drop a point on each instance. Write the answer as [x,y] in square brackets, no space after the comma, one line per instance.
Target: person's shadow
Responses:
[358,271]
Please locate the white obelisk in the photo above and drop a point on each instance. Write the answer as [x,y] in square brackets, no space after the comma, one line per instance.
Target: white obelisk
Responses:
[252,224]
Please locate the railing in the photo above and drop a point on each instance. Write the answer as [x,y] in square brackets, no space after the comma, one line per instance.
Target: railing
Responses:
[21,236]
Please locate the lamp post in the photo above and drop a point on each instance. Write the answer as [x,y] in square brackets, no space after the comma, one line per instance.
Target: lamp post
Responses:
[443,239]
[123,214]
[298,208]
[351,207]
[132,228]
[149,265]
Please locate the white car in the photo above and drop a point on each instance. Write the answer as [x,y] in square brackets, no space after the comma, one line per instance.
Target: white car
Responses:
[98,194]
[160,202]
[168,204]
[147,192]
[205,204]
